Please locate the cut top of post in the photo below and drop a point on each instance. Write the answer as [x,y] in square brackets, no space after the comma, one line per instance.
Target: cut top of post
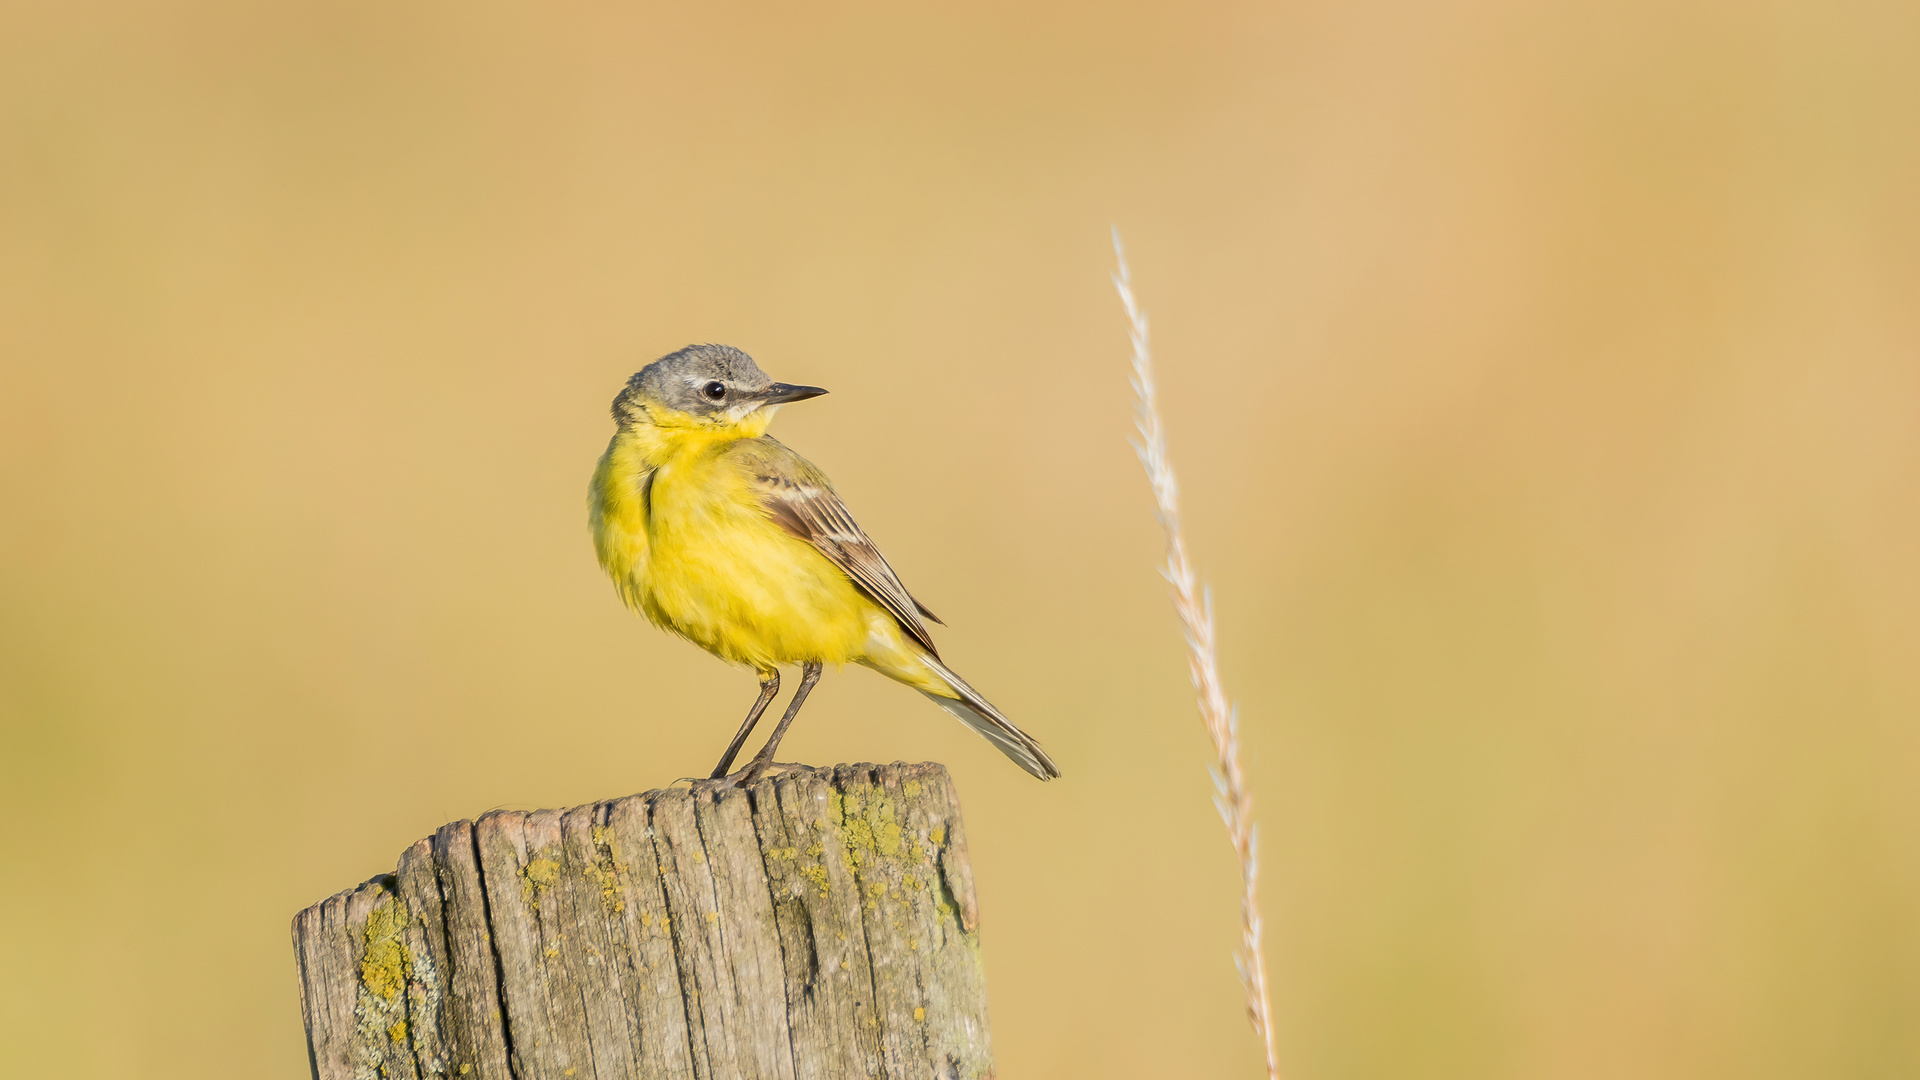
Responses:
[819,924]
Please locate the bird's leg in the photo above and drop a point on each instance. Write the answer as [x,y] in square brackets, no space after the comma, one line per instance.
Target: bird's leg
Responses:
[809,674]
[769,686]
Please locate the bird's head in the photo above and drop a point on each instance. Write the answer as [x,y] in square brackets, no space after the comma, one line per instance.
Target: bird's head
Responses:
[712,387]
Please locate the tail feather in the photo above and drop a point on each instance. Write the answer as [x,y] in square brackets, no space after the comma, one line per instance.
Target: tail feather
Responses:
[979,714]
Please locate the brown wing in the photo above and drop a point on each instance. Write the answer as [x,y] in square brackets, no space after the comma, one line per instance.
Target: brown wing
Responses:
[800,500]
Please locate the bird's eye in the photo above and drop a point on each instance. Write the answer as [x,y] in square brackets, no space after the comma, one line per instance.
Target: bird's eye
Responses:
[714,390]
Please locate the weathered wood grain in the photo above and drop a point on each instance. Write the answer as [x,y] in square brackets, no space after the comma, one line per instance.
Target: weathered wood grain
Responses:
[818,925]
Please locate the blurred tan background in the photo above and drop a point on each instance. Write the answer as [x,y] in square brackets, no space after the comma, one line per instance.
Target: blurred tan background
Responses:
[1545,381]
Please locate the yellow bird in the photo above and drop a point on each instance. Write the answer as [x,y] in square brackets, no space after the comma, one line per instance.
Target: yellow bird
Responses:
[720,534]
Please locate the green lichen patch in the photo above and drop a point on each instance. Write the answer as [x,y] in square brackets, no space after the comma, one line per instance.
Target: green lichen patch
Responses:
[387,983]
[817,875]
[537,877]
[607,842]
[871,827]
[385,965]
[886,831]
[607,871]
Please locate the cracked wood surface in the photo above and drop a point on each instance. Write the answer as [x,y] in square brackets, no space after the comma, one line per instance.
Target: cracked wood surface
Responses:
[818,925]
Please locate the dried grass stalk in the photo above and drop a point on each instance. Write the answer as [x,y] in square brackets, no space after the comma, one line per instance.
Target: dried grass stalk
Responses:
[1194,604]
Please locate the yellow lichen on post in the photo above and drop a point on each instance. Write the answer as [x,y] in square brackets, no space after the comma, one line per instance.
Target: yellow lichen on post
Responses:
[606,870]
[383,970]
[816,875]
[537,877]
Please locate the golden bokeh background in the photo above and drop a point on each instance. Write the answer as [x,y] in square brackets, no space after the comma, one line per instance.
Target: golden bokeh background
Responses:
[1545,380]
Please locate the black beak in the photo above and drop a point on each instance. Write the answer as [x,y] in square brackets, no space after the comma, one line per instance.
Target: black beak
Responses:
[781,392]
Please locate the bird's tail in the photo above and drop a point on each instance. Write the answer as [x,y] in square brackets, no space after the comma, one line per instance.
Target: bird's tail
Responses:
[968,707]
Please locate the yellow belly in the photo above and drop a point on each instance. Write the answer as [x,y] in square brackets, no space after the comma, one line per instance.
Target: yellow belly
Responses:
[713,568]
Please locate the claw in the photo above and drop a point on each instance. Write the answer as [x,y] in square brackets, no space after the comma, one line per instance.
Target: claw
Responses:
[756,770]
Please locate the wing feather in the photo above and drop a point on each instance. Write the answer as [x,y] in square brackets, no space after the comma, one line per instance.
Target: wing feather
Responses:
[801,501]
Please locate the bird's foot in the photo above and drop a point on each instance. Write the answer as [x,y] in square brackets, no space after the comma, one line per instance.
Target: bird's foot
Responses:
[754,770]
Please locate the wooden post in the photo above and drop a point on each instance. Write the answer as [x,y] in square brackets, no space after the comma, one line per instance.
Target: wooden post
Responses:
[819,925]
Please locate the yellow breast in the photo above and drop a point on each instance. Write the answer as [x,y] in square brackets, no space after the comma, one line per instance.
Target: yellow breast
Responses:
[681,532]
